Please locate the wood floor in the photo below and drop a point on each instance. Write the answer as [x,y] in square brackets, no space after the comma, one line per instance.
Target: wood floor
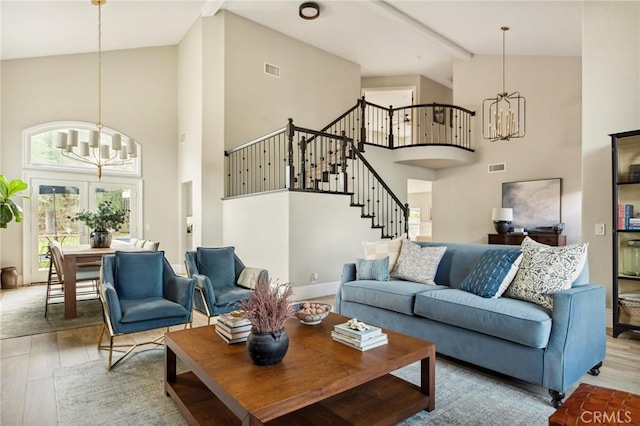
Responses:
[27,365]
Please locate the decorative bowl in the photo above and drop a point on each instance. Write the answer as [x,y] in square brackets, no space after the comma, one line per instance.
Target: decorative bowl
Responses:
[311,313]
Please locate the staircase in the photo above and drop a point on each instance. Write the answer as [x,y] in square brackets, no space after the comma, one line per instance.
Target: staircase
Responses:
[331,160]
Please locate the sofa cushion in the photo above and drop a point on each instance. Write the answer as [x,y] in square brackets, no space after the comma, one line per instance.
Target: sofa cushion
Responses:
[418,264]
[514,320]
[373,269]
[385,248]
[394,295]
[545,270]
[493,273]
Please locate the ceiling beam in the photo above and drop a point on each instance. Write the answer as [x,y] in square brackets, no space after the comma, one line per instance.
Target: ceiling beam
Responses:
[455,49]
[212,7]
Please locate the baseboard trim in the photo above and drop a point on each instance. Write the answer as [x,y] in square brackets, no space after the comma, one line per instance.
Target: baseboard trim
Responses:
[311,291]
[609,313]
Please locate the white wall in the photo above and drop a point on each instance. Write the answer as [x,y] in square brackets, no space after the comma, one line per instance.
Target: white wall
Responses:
[464,196]
[139,99]
[190,125]
[427,90]
[295,234]
[611,103]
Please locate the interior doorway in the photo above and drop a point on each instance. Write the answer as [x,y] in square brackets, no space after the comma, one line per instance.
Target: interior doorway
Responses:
[419,198]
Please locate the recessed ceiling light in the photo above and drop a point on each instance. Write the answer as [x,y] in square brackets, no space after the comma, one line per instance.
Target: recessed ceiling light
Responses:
[309,10]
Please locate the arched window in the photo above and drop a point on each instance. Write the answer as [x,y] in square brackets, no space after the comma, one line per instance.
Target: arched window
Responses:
[41,151]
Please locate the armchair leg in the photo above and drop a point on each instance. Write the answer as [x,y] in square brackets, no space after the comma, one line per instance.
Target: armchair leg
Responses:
[110,365]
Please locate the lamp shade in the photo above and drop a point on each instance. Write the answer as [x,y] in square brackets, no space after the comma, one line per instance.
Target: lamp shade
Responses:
[502,214]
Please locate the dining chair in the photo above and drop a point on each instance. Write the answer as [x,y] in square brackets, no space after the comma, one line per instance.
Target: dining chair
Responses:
[221,279]
[55,279]
[140,291]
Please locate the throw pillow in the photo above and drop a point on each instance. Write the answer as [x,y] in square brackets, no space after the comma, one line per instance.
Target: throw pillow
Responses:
[382,249]
[373,269]
[249,277]
[493,273]
[418,264]
[545,270]
[139,274]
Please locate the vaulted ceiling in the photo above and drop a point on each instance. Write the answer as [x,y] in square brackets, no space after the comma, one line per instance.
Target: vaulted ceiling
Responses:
[390,37]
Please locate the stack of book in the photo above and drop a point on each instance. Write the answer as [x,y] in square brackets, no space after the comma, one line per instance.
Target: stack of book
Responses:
[233,329]
[369,338]
[625,217]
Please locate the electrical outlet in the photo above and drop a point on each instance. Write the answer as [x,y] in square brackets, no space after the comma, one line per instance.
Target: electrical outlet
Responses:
[600,229]
[314,277]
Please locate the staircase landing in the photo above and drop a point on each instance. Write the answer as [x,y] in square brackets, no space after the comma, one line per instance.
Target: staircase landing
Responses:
[433,156]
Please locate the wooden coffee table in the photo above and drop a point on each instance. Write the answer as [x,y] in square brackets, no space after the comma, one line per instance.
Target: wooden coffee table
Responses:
[320,381]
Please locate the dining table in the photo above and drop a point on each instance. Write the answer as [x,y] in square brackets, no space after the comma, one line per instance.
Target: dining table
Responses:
[75,255]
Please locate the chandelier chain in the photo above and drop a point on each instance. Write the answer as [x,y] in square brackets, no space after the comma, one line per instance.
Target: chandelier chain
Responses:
[99,124]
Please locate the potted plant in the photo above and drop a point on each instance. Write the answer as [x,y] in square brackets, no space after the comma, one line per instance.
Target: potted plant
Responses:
[558,227]
[268,308]
[107,219]
[9,211]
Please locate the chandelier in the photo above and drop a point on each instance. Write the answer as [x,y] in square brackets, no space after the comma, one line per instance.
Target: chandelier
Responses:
[504,117]
[94,151]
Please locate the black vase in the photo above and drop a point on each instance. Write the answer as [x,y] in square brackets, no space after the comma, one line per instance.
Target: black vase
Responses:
[267,348]
[100,239]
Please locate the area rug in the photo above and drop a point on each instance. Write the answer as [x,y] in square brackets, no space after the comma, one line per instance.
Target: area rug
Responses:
[22,313]
[133,393]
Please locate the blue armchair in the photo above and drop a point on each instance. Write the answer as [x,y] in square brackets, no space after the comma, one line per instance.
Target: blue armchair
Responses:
[222,280]
[139,292]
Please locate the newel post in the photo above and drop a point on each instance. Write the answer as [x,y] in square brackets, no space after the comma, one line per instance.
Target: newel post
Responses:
[290,176]
[390,126]
[343,161]
[406,218]
[363,124]
[303,168]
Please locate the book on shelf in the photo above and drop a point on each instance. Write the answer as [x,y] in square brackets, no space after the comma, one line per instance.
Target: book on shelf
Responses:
[236,329]
[361,345]
[231,340]
[365,334]
[625,214]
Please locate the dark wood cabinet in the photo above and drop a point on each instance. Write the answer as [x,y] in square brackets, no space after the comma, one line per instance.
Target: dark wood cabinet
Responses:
[516,239]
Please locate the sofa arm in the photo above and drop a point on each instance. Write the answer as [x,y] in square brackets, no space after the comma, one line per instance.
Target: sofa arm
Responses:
[578,336]
[348,274]
[204,283]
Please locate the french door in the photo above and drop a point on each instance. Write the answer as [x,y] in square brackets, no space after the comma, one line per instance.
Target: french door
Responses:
[54,201]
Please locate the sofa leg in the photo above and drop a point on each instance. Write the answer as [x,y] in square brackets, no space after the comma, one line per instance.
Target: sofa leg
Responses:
[595,370]
[556,398]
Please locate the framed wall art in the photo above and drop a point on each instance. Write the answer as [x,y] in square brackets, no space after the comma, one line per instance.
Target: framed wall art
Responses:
[535,203]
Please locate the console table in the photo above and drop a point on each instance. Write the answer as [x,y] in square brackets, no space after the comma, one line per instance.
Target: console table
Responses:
[516,239]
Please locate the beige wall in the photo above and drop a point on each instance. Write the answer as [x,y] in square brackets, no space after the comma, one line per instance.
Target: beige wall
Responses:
[427,90]
[464,196]
[611,103]
[314,87]
[139,100]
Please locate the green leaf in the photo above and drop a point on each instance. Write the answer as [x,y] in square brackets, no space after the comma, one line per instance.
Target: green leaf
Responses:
[16,186]
[6,215]
[17,211]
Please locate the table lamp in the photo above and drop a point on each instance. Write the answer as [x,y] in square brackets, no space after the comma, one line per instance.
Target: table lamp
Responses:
[502,218]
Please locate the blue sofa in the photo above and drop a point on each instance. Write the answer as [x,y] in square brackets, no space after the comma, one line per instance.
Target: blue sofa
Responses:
[552,349]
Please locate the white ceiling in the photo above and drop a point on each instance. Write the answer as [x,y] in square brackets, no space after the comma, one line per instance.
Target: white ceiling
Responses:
[390,37]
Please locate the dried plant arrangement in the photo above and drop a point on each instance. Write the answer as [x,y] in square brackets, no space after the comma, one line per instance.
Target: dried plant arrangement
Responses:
[268,306]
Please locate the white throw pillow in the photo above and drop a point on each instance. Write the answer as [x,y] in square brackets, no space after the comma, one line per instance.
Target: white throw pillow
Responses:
[385,248]
[545,270]
[249,277]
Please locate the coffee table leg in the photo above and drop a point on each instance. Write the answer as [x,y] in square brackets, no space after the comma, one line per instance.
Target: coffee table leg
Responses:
[170,367]
[428,379]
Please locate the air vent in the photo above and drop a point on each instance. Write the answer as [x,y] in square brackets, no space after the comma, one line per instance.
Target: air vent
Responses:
[273,70]
[498,167]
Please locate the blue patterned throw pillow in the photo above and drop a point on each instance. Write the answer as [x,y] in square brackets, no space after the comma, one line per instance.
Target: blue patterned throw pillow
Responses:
[373,269]
[493,273]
